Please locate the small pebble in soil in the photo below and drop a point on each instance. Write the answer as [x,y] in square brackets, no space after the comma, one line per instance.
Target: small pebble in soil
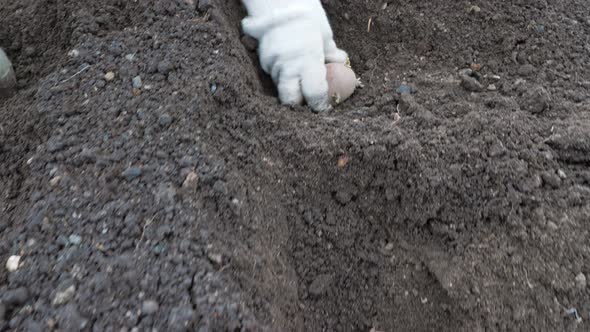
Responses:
[137,82]
[12,263]
[494,77]
[474,9]
[213,88]
[64,296]
[159,248]
[581,282]
[215,258]
[109,76]
[191,180]
[131,173]
[165,120]
[75,239]
[55,181]
[149,307]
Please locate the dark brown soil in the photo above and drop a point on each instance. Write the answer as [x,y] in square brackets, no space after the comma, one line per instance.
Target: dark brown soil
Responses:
[197,202]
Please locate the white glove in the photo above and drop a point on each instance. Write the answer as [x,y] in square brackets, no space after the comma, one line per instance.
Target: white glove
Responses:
[7,76]
[295,41]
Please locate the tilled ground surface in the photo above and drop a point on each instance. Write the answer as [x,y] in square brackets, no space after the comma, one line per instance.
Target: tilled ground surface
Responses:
[150,180]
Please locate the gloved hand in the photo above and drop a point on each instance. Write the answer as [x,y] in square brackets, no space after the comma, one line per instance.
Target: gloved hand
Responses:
[7,77]
[295,41]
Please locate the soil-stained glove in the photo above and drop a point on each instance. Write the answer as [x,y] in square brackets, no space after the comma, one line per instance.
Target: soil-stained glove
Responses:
[295,41]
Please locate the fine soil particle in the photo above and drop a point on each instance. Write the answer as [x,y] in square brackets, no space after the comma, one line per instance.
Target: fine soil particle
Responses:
[148,174]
